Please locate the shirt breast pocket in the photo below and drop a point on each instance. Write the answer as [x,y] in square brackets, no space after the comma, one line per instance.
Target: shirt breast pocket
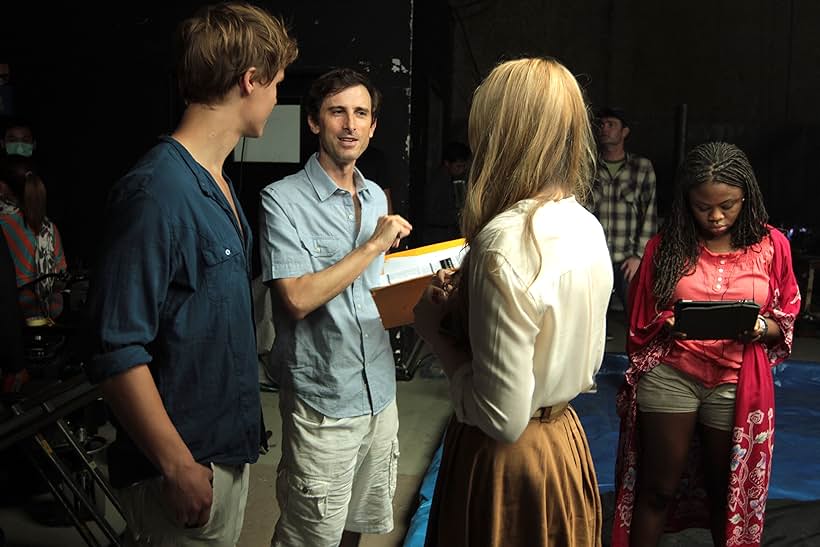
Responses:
[323,250]
[221,269]
[628,195]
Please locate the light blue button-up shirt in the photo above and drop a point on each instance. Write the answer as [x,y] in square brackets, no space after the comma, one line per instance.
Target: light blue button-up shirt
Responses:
[337,359]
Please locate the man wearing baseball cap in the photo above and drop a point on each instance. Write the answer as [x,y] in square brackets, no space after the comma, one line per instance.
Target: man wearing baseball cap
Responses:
[623,197]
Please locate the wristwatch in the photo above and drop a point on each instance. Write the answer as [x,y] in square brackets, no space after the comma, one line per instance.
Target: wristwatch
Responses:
[763,326]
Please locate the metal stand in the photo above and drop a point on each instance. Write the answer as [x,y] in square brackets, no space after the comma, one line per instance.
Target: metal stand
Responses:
[407,356]
[813,264]
[27,424]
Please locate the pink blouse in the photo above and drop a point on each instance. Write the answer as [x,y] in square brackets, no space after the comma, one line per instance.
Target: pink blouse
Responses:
[739,275]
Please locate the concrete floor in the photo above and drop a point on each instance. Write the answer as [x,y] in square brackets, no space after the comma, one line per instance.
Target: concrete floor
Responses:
[423,410]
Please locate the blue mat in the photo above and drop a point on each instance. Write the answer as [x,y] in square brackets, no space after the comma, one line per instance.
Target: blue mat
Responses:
[796,473]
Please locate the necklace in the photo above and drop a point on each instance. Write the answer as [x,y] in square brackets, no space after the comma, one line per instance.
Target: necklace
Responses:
[722,282]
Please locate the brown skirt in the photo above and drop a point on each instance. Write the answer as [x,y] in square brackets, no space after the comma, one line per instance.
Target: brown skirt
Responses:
[539,491]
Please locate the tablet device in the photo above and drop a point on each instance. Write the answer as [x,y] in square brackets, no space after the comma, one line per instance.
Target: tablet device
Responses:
[722,320]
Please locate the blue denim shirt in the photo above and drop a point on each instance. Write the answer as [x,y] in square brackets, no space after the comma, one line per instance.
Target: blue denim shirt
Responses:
[173,290]
[338,359]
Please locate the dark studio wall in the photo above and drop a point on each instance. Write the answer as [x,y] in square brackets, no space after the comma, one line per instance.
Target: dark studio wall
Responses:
[98,85]
[747,72]
[432,62]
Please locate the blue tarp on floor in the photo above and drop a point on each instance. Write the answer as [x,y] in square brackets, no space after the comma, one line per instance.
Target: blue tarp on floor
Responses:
[796,473]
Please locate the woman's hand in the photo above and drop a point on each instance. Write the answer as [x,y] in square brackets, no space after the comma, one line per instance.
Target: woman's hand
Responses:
[434,306]
[756,334]
[670,326]
[444,280]
[430,309]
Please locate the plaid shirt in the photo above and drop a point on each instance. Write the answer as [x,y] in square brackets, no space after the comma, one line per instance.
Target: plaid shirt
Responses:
[625,206]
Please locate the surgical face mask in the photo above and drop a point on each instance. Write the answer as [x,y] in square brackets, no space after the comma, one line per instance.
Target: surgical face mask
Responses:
[20,148]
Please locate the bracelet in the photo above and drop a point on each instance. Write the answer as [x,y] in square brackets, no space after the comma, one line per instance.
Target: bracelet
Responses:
[765,327]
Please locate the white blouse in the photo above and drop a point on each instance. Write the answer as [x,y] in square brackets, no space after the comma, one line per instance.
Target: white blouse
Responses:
[537,335]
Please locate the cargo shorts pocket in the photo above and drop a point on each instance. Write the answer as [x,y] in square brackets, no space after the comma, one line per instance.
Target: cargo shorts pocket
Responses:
[307,497]
[394,468]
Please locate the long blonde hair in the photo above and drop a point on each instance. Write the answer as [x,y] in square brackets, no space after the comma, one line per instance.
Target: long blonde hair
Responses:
[531,137]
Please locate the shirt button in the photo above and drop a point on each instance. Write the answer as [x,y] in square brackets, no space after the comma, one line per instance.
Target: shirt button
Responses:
[720,279]
[228,252]
[717,286]
[723,262]
[350,217]
[365,336]
[720,270]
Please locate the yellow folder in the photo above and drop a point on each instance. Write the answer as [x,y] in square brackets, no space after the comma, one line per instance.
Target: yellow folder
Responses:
[413,270]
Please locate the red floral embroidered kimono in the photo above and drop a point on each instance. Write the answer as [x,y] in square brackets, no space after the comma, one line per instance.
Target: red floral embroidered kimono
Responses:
[753,432]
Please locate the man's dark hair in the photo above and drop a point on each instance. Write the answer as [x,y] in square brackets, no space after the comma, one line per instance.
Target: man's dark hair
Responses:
[336,81]
[456,151]
[7,123]
[613,112]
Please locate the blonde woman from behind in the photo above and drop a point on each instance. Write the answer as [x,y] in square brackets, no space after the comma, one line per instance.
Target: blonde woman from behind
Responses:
[524,321]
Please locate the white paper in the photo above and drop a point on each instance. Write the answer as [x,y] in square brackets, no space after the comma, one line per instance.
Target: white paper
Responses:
[403,268]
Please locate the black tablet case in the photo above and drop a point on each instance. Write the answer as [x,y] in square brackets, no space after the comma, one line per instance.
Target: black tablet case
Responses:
[721,320]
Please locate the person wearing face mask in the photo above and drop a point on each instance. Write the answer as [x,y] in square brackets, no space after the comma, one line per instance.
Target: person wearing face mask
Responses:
[715,246]
[18,140]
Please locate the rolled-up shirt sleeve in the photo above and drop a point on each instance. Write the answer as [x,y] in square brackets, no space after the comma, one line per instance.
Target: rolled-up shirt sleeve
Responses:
[281,252]
[494,392]
[130,285]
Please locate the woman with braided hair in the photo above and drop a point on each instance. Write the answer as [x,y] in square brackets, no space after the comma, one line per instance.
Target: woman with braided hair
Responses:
[697,416]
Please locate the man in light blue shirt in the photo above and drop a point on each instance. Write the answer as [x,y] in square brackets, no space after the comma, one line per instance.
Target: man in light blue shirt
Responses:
[324,232]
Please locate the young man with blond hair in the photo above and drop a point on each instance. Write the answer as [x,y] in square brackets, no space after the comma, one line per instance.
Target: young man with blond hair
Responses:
[171,299]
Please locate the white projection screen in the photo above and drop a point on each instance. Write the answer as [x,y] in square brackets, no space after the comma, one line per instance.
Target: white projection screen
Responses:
[280,141]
